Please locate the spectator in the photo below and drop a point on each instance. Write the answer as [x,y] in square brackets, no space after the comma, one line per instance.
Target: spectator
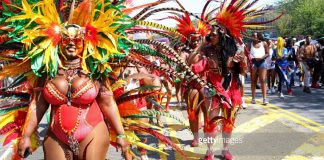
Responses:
[259,51]
[271,73]
[292,61]
[280,54]
[307,59]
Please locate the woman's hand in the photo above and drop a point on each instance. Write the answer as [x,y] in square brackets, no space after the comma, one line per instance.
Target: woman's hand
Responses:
[238,58]
[24,146]
[124,146]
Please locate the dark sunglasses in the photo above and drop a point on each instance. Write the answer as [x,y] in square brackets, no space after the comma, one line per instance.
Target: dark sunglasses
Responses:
[76,41]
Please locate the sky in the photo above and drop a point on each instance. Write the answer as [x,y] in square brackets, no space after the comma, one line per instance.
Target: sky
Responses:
[194,6]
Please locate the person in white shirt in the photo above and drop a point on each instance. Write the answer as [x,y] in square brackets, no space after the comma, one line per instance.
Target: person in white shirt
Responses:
[259,51]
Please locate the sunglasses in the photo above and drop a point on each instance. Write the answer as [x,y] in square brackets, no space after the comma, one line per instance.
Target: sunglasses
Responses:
[76,41]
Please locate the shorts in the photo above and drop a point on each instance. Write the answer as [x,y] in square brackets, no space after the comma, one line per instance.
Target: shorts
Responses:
[270,65]
[258,64]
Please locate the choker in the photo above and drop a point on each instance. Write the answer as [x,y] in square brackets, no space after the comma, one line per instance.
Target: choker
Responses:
[73,64]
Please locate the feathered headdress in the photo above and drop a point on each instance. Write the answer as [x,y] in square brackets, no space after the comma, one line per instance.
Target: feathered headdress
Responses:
[44,25]
[236,16]
[188,29]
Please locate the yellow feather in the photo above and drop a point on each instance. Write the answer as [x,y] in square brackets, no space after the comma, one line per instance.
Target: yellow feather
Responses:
[9,117]
[118,84]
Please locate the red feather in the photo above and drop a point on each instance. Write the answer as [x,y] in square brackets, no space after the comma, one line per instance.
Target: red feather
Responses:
[127,109]
[10,137]
[185,27]
[8,127]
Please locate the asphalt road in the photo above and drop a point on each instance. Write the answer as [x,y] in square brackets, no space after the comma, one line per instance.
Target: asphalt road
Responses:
[290,129]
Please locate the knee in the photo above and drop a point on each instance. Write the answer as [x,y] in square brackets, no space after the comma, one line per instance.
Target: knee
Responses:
[262,80]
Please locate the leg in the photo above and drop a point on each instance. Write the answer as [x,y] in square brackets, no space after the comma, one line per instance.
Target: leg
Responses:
[273,77]
[254,78]
[263,73]
[280,79]
[95,145]
[55,149]
[316,74]
[168,88]
[269,79]
[306,77]
[212,134]
[192,98]
[227,134]
[178,92]
[244,106]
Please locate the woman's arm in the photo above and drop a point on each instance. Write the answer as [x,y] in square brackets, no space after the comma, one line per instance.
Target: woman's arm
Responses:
[36,111]
[266,47]
[109,108]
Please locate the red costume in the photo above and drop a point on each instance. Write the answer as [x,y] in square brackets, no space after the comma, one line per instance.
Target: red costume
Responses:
[77,119]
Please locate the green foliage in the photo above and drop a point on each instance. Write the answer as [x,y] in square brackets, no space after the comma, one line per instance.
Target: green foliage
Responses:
[302,17]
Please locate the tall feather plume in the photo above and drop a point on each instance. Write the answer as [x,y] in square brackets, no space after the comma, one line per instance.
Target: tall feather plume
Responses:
[237,17]
[149,5]
[137,16]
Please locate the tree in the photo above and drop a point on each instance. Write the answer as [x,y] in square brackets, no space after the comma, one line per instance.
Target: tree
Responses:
[304,17]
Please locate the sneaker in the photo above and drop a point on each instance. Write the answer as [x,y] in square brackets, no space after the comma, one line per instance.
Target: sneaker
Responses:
[253,101]
[289,92]
[273,91]
[281,95]
[301,84]
[306,90]
[244,106]
[316,86]
[227,155]
[265,102]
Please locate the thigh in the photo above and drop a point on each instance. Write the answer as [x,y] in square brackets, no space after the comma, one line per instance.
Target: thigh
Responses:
[263,73]
[55,149]
[95,145]
[254,75]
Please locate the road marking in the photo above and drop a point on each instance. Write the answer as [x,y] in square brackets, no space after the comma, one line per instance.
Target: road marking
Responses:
[256,123]
[313,149]
[292,116]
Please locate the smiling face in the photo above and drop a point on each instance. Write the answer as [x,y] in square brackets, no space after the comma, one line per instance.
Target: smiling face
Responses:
[72,43]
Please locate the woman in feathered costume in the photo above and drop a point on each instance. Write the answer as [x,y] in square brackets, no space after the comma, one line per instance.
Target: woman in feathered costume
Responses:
[58,52]
[68,55]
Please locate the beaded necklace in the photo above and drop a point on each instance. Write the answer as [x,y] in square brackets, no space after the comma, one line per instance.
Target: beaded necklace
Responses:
[72,68]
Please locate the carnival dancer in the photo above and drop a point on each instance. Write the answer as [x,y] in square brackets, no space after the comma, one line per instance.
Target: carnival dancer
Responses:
[65,57]
[164,77]
[192,38]
[214,65]
[222,61]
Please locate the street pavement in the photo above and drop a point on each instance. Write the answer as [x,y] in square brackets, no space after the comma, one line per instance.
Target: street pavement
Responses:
[289,129]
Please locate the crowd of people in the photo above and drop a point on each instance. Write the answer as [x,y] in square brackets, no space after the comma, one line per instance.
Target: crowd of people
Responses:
[81,60]
[283,61]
